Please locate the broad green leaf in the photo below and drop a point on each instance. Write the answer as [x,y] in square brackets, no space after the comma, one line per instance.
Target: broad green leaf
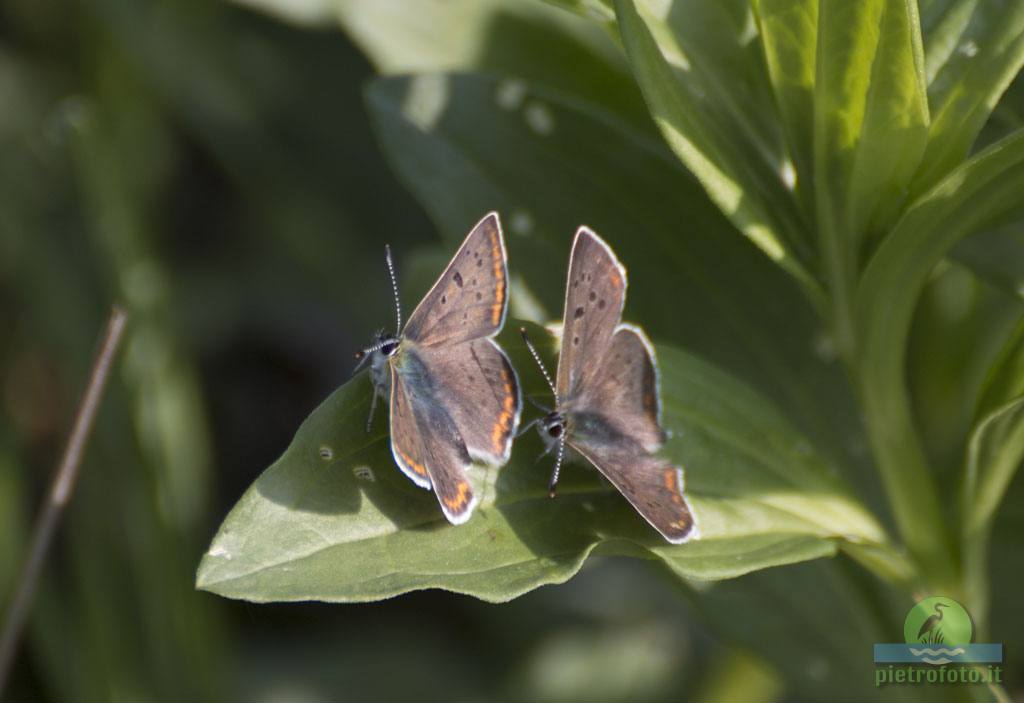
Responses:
[870,121]
[739,165]
[975,195]
[994,454]
[789,35]
[694,280]
[973,52]
[515,38]
[334,520]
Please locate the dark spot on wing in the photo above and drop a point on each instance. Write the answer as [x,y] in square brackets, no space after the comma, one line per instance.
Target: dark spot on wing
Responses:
[578,314]
[444,299]
[473,282]
[593,296]
[575,341]
[458,279]
[600,303]
[479,295]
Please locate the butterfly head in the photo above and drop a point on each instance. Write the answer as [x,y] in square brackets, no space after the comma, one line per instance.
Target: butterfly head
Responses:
[552,426]
[386,344]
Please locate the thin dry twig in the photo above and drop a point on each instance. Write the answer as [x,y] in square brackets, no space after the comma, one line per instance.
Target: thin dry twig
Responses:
[60,492]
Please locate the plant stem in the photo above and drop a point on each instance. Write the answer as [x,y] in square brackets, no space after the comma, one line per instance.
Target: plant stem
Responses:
[60,493]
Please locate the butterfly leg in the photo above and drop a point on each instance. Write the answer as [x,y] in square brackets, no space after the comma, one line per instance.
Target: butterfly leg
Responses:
[373,407]
[522,430]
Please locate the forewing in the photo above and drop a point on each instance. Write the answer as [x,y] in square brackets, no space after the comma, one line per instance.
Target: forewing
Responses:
[595,292]
[624,388]
[654,486]
[406,446]
[478,387]
[469,300]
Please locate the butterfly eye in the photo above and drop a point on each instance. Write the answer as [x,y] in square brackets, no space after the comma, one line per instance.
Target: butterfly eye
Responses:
[555,431]
[389,348]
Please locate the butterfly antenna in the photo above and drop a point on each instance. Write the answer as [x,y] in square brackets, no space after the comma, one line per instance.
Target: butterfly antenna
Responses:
[394,289]
[558,466]
[540,364]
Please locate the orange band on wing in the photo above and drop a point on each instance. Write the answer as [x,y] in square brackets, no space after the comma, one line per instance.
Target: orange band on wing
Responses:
[499,275]
[504,424]
[461,497]
[412,463]
[672,484]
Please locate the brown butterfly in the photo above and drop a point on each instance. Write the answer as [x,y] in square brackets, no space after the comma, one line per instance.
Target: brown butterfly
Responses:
[454,395]
[606,393]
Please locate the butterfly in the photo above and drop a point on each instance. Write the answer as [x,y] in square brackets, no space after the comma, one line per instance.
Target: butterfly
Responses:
[453,395]
[607,407]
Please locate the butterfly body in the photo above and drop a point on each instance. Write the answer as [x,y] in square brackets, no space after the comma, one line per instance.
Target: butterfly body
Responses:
[606,390]
[452,393]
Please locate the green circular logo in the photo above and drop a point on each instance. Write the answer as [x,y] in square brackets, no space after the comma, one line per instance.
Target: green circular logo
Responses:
[938,620]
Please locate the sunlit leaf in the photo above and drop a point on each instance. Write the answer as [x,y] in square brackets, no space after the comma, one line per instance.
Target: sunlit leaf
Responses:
[870,119]
[972,52]
[738,161]
[520,40]
[789,35]
[333,519]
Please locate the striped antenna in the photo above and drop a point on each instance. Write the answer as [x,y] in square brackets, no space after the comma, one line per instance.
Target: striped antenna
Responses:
[394,289]
[558,465]
[540,364]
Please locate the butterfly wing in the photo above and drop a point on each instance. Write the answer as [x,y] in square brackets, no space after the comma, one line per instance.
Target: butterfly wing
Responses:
[624,388]
[446,459]
[405,435]
[653,485]
[469,300]
[426,442]
[481,393]
[595,292]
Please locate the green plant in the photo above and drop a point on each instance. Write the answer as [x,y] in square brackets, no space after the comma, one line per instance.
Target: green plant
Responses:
[806,173]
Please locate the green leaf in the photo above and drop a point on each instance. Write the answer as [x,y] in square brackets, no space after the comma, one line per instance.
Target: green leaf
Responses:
[975,195]
[973,50]
[995,452]
[789,35]
[333,519]
[521,40]
[739,162]
[870,120]
[579,165]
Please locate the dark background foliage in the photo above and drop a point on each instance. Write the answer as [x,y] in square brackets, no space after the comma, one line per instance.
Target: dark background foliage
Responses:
[216,170]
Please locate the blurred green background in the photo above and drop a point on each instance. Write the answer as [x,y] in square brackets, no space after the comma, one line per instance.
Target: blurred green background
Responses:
[214,169]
